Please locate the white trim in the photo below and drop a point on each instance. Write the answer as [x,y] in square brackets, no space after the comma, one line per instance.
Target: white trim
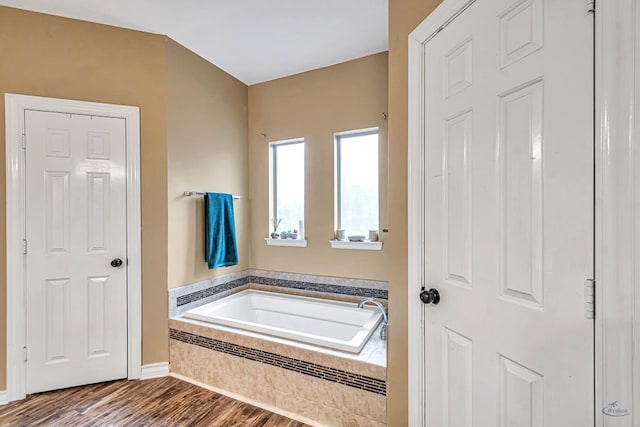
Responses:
[356,131]
[297,243]
[259,404]
[446,12]
[617,249]
[362,246]
[415,237]
[15,105]
[154,370]
[440,17]
[3,397]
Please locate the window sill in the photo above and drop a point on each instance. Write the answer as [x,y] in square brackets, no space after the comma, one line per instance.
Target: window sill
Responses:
[362,246]
[296,243]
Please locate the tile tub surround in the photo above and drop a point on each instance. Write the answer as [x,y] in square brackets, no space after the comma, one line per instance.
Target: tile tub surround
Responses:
[191,296]
[187,297]
[361,382]
[328,389]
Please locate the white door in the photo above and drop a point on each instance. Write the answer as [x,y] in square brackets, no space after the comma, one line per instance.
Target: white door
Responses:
[75,228]
[509,216]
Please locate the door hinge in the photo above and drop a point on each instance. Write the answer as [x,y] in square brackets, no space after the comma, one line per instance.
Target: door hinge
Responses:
[24,246]
[24,353]
[591,6]
[590,299]
[24,141]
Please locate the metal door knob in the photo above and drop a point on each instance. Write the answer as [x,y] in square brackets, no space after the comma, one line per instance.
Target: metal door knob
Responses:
[115,263]
[431,296]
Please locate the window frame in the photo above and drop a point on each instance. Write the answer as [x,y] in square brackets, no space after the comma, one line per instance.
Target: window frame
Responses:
[273,180]
[338,169]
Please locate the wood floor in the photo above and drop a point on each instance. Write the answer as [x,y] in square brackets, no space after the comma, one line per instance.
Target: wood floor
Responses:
[159,402]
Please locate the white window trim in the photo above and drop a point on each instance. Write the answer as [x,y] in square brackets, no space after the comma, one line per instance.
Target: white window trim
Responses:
[273,191]
[336,136]
[15,106]
[362,246]
[294,243]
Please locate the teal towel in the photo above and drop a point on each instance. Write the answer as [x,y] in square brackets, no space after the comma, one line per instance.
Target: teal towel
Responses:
[219,230]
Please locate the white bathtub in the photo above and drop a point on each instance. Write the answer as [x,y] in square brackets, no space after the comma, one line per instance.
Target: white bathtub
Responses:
[333,324]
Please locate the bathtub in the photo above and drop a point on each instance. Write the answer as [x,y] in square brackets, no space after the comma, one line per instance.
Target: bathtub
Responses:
[332,324]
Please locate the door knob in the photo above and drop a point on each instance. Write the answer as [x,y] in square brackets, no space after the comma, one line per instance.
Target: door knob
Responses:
[431,296]
[116,262]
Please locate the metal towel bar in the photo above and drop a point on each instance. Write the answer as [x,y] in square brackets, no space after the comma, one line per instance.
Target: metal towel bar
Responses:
[201,193]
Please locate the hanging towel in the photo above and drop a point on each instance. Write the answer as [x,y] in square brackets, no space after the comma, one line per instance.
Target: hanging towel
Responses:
[220,230]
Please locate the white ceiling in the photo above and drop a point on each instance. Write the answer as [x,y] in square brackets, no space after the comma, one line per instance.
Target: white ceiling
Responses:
[253,40]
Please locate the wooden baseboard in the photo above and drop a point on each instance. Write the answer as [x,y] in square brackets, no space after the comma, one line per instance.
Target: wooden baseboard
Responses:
[154,370]
[257,403]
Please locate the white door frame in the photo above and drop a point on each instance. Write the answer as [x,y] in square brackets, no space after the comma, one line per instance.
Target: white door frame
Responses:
[617,206]
[440,17]
[15,106]
[617,250]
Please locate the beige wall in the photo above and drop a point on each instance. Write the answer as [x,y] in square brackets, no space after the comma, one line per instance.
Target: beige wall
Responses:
[49,56]
[63,58]
[404,16]
[315,105]
[207,151]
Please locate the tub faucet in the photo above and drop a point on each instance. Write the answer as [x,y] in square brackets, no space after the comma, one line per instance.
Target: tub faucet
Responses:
[385,322]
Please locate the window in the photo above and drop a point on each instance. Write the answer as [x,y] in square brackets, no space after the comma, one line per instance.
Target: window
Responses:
[357,182]
[287,189]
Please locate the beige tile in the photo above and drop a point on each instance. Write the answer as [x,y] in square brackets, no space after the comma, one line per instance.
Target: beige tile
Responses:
[259,373]
[327,393]
[231,373]
[323,414]
[194,362]
[353,420]
[307,387]
[301,385]
[360,367]
[364,403]
[265,383]
[251,390]
[349,399]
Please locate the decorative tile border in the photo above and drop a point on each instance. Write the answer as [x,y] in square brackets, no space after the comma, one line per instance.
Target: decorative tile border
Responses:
[210,291]
[325,280]
[362,382]
[182,299]
[196,288]
[321,287]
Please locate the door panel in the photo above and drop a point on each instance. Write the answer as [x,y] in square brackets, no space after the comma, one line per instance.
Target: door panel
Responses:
[75,225]
[520,217]
[509,215]
[457,199]
[457,379]
[520,395]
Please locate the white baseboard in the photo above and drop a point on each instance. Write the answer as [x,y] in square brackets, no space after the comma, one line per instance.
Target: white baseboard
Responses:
[154,370]
[4,397]
[265,406]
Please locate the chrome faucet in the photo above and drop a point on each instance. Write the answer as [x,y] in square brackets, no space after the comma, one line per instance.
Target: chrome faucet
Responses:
[385,322]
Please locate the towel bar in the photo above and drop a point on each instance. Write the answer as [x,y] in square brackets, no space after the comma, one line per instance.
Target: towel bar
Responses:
[201,193]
